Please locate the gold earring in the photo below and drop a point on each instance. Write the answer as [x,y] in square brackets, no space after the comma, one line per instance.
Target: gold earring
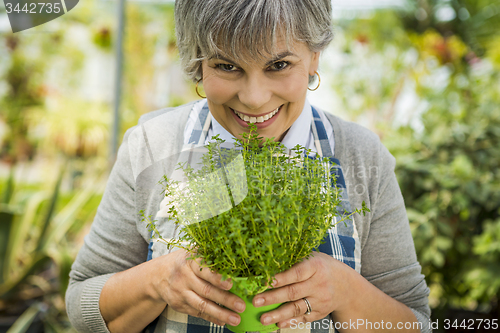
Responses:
[197,92]
[319,82]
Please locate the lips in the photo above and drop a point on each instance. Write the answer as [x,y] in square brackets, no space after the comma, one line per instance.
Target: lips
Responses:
[256,119]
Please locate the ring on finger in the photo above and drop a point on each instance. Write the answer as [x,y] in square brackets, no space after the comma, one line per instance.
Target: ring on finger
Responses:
[309,309]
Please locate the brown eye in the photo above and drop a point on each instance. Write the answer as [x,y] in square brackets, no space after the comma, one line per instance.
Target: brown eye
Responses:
[279,65]
[226,67]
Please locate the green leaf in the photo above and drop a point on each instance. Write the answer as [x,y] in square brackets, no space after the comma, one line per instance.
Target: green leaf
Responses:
[23,323]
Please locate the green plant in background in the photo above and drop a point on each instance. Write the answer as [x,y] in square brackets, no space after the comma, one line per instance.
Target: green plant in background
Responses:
[80,136]
[24,90]
[371,69]
[75,127]
[444,73]
[35,255]
[23,77]
[40,228]
[449,175]
[149,49]
[476,22]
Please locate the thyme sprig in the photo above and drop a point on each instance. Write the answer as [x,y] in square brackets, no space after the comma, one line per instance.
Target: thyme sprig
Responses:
[290,202]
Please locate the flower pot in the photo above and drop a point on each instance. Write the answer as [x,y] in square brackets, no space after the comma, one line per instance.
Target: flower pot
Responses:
[250,318]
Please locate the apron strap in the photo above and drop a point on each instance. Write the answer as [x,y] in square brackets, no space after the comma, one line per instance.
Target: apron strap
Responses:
[323,147]
[320,137]
[201,127]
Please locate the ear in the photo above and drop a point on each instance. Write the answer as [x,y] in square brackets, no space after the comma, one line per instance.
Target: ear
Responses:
[314,63]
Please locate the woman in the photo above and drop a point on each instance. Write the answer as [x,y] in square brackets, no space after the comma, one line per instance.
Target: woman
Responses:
[255,59]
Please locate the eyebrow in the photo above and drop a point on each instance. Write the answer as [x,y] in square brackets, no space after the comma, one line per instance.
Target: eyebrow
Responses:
[270,62]
[219,57]
[280,56]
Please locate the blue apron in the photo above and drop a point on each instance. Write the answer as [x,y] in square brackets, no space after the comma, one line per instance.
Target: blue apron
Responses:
[341,241]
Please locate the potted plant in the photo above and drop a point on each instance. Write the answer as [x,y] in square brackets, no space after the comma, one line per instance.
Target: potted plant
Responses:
[251,211]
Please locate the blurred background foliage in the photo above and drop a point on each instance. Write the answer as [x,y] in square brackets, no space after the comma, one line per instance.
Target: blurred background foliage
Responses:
[424,75]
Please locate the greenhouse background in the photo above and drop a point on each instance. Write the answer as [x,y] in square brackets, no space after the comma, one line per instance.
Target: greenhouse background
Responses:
[424,75]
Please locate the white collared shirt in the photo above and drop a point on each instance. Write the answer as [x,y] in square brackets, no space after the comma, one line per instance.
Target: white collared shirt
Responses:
[299,133]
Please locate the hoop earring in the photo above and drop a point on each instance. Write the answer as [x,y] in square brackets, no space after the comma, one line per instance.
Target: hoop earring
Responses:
[196,89]
[319,82]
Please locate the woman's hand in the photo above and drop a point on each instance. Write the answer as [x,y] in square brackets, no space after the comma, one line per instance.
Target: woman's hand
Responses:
[187,289]
[321,279]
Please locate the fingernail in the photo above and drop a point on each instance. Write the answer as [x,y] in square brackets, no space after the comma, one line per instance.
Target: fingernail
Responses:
[227,285]
[240,306]
[275,283]
[234,320]
[282,325]
[266,320]
[259,301]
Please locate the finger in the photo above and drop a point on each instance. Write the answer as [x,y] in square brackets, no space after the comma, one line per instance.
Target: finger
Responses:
[287,293]
[185,307]
[193,312]
[206,274]
[207,290]
[297,273]
[286,312]
[213,320]
[201,307]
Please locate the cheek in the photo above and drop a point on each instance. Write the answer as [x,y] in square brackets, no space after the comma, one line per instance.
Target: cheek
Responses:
[217,89]
[294,87]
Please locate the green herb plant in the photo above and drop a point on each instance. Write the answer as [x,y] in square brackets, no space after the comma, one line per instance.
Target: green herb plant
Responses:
[289,205]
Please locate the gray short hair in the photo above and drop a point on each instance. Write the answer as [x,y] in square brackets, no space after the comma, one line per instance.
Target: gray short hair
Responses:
[247,29]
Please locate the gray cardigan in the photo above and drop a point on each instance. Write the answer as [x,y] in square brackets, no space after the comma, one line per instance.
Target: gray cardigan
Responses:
[119,240]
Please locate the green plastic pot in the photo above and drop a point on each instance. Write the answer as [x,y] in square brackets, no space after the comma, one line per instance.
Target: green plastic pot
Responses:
[250,318]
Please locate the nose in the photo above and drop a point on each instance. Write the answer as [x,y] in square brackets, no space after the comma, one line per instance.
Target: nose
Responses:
[255,92]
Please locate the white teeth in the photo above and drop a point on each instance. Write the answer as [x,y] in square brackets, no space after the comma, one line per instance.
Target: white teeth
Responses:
[259,119]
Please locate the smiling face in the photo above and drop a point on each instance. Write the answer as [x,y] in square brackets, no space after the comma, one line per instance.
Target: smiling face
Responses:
[269,92]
